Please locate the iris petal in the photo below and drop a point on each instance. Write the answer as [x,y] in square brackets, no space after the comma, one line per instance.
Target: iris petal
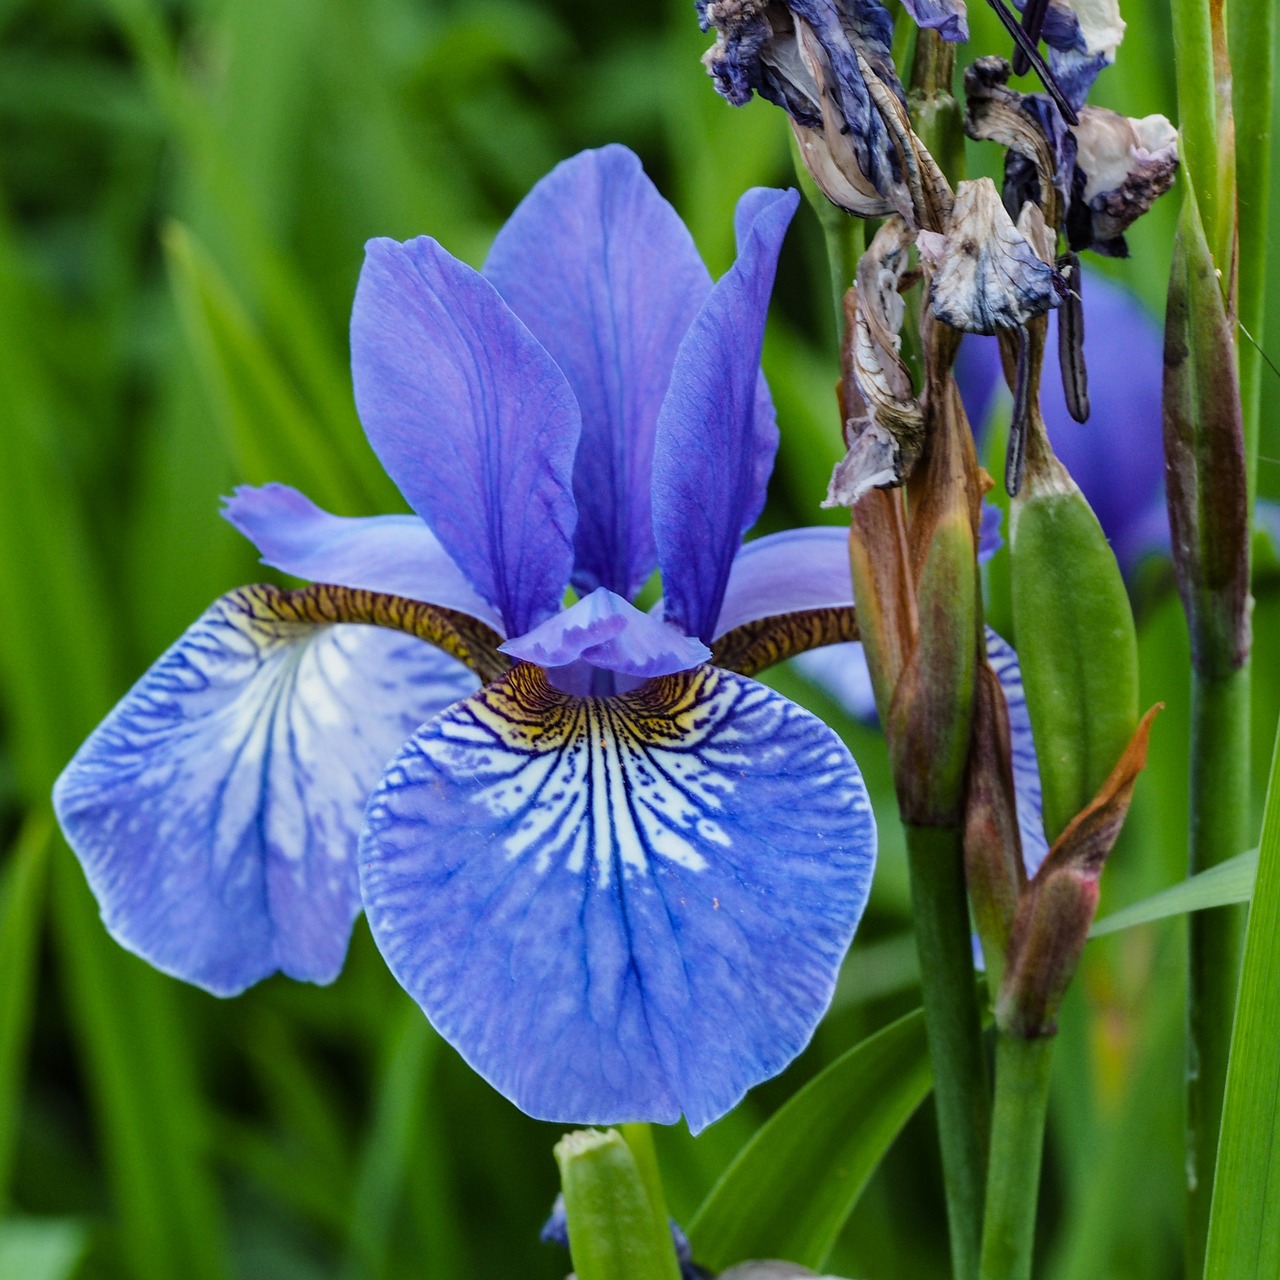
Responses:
[395,554]
[947,17]
[808,569]
[1026,771]
[786,573]
[608,632]
[472,419]
[714,446]
[625,908]
[604,273]
[216,810]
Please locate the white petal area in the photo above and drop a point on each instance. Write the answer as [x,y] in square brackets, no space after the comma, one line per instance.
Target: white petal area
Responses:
[216,810]
[620,908]
[1101,26]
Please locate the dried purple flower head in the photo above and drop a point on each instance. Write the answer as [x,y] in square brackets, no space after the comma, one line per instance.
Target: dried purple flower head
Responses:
[803,58]
[1092,179]
[1082,36]
[884,424]
[988,273]
[827,63]
[1122,167]
[1040,147]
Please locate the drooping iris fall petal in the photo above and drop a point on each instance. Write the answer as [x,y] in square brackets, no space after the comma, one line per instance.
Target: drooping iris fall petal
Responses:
[216,810]
[620,909]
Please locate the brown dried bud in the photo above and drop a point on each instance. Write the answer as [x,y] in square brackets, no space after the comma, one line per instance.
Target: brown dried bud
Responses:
[1057,908]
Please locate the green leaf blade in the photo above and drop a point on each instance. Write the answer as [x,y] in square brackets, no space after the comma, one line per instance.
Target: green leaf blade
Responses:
[1218,886]
[1243,1239]
[791,1189]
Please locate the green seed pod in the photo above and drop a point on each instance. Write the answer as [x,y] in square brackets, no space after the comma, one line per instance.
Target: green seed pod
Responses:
[1075,638]
[614,1231]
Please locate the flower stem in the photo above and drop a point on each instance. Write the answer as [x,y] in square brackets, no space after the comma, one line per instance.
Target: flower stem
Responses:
[1220,829]
[1220,760]
[935,114]
[954,1027]
[1253,47]
[639,1137]
[843,235]
[1204,113]
[1017,1140]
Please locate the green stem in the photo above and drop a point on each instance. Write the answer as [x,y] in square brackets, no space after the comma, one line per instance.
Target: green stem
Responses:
[1243,1240]
[1017,1141]
[1220,829]
[614,1232]
[843,235]
[1204,118]
[954,1027]
[639,1137]
[935,114]
[1253,43]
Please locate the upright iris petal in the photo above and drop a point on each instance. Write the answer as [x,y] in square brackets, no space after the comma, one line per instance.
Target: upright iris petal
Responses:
[713,452]
[472,419]
[604,273]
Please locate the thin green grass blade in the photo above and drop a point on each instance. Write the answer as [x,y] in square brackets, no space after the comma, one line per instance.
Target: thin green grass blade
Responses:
[1099,1232]
[271,434]
[1252,31]
[792,1187]
[1219,886]
[137,1062]
[1243,1239]
[402,1099]
[21,909]
[56,678]
[291,314]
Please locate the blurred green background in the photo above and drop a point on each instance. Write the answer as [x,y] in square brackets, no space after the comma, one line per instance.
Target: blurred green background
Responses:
[185,189]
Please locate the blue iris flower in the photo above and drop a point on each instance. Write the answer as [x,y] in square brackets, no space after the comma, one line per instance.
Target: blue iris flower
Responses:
[619,877]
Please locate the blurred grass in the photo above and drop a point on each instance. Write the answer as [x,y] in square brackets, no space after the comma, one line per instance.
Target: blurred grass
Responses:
[185,188]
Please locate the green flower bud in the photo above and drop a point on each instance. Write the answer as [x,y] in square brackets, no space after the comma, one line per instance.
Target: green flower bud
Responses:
[1075,639]
[614,1231]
